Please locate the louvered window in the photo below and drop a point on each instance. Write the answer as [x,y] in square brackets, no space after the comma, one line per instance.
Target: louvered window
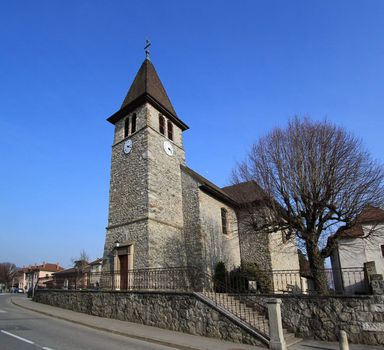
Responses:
[133,124]
[161,124]
[126,127]
[170,130]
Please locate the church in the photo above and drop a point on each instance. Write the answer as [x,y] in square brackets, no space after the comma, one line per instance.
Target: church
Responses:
[164,214]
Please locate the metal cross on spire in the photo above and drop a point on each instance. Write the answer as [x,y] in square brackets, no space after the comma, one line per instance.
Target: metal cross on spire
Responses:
[146,48]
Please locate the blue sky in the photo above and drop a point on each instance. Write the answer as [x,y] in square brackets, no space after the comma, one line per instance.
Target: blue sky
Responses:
[233,71]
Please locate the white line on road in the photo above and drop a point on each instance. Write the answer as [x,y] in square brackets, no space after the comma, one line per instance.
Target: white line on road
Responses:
[3,312]
[45,348]
[17,337]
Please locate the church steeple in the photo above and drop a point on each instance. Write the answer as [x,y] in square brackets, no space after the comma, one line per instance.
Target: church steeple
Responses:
[147,87]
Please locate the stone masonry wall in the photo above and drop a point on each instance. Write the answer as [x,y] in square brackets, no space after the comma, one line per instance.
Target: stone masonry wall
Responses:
[192,233]
[128,198]
[174,311]
[362,317]
[254,247]
[165,203]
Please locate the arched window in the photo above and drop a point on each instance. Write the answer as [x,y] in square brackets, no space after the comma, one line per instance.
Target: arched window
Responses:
[161,124]
[133,123]
[170,130]
[224,220]
[126,127]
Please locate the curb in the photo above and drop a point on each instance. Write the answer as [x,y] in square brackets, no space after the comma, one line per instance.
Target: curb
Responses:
[146,339]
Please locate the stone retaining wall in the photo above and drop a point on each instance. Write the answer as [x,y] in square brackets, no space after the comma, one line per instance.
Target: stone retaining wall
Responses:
[362,317]
[182,312]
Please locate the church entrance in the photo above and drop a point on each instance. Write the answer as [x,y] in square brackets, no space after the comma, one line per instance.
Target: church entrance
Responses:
[123,259]
[123,265]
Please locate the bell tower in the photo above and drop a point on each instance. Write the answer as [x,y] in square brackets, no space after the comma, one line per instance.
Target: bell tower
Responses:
[145,220]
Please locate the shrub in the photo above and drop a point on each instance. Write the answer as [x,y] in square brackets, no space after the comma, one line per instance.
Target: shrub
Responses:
[220,277]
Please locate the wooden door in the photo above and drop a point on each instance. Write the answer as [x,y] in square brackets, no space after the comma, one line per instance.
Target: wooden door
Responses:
[123,272]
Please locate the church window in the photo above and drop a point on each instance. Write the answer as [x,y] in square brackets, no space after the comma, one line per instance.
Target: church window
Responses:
[126,127]
[161,124]
[133,123]
[224,220]
[170,130]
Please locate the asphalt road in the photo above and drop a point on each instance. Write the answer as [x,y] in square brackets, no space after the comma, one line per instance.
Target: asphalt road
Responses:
[25,330]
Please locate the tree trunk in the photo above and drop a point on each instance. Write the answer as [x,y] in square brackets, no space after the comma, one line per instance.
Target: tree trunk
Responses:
[316,264]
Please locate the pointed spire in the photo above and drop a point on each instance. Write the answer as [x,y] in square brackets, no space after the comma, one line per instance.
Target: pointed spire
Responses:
[147,86]
[148,82]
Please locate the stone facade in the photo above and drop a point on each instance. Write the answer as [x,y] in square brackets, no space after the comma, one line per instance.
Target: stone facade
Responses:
[217,245]
[182,312]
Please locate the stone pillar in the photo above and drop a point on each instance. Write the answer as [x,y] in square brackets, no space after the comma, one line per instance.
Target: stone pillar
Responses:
[275,325]
[343,341]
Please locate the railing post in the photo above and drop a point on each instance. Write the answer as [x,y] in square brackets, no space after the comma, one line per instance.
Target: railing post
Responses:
[277,341]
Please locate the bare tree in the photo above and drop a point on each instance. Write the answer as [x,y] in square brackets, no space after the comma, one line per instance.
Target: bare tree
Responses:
[81,263]
[317,179]
[7,273]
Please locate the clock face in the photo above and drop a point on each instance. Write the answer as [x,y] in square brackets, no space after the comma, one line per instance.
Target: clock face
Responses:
[168,148]
[127,146]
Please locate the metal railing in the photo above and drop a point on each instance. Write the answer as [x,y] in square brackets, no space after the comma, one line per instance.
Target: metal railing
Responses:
[346,281]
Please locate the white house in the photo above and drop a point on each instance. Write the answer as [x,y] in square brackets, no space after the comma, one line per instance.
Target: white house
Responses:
[363,243]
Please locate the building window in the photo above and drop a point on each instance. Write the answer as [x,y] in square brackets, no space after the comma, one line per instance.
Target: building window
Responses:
[170,130]
[126,127]
[161,124]
[382,250]
[224,220]
[133,123]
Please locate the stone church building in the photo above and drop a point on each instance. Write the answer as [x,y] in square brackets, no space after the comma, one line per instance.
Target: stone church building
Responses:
[164,214]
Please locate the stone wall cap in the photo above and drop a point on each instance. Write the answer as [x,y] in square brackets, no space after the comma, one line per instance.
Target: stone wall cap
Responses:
[274,301]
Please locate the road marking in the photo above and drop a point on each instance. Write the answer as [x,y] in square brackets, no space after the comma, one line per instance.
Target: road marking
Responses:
[45,348]
[17,337]
[3,312]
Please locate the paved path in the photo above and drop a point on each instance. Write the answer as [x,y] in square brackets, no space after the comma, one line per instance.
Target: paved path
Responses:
[25,330]
[162,338]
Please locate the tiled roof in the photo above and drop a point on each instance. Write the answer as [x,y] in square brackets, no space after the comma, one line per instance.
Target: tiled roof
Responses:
[66,271]
[44,267]
[369,215]
[353,232]
[96,262]
[209,187]
[245,192]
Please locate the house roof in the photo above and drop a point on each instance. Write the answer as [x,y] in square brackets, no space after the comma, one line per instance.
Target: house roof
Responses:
[49,267]
[147,86]
[369,215]
[245,192]
[66,271]
[96,262]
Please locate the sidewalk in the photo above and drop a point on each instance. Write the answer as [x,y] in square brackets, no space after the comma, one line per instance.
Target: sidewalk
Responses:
[162,336]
